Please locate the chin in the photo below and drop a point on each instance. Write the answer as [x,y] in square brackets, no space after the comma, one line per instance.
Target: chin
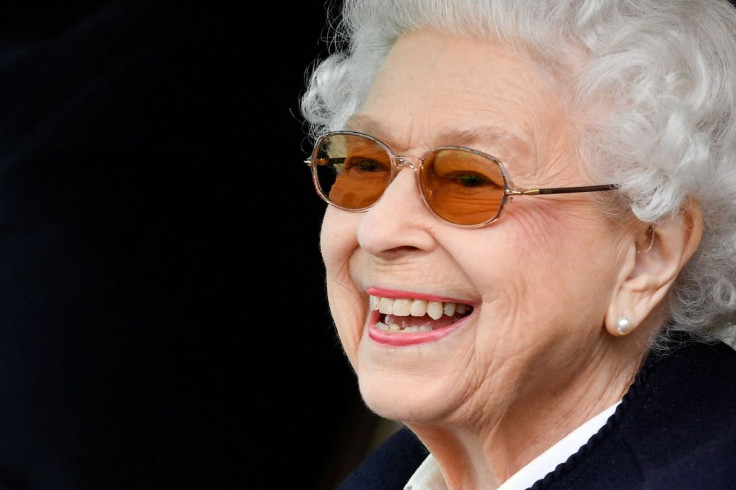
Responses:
[400,409]
[403,398]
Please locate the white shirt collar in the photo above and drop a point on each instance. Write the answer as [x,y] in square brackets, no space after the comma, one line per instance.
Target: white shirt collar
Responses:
[429,477]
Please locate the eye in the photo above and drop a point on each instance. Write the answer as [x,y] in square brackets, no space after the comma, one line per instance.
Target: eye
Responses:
[471,180]
[464,169]
[362,164]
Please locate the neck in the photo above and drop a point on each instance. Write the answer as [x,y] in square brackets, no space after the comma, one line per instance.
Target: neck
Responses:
[485,451]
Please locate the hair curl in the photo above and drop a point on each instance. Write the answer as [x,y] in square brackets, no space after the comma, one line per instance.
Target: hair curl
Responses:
[666,70]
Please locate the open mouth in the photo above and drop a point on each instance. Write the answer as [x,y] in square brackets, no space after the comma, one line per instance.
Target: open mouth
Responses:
[404,315]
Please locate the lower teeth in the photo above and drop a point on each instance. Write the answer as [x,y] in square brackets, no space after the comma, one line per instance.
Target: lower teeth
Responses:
[397,329]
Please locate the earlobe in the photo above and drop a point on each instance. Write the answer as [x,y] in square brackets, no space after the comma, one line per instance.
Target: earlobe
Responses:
[655,257]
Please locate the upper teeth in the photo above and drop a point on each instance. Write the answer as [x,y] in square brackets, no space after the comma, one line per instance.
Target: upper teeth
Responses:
[416,307]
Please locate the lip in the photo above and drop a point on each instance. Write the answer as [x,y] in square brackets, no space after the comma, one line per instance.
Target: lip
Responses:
[404,339]
[407,339]
[394,293]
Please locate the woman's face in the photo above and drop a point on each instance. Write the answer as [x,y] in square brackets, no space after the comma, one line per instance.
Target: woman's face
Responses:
[537,283]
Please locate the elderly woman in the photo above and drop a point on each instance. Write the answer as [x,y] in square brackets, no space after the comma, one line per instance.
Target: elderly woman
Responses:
[530,243]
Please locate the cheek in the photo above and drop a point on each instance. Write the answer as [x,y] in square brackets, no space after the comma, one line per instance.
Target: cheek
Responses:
[549,232]
[334,240]
[535,266]
[516,247]
[337,244]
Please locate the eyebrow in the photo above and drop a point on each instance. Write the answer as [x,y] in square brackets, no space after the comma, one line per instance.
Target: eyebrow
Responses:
[483,134]
[368,125]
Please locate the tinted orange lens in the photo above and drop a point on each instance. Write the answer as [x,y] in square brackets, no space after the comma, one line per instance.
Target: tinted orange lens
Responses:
[463,187]
[352,171]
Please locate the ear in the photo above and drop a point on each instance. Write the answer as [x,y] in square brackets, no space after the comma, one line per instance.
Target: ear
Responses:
[654,258]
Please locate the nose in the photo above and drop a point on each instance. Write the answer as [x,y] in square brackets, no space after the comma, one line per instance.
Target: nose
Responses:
[400,218]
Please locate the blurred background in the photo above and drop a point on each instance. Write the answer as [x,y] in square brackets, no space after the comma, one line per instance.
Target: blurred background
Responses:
[163,322]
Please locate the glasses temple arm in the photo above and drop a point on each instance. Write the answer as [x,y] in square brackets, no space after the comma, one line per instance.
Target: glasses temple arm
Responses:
[324,161]
[562,190]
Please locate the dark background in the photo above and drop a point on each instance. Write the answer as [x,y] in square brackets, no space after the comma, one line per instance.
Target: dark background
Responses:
[163,322]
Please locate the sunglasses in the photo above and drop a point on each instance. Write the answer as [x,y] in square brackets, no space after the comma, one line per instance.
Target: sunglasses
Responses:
[462,186]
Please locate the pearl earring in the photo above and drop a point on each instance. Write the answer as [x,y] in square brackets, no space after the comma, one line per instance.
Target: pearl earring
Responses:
[624,325]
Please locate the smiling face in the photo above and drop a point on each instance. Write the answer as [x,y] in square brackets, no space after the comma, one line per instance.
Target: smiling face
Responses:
[487,322]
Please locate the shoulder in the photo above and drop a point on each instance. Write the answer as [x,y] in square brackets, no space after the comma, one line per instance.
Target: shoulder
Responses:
[389,466]
[674,428]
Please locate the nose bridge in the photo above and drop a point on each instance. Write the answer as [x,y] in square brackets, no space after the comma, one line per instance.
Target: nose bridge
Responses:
[408,161]
[411,162]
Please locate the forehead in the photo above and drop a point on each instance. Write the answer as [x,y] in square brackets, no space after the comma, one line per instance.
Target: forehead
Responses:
[436,89]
